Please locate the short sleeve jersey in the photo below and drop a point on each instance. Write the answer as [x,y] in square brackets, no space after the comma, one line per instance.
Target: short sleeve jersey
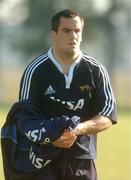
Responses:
[85,91]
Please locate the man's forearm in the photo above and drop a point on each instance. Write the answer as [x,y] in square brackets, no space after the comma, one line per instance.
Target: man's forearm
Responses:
[93,126]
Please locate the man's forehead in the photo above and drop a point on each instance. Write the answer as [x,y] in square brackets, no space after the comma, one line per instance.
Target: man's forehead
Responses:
[75,21]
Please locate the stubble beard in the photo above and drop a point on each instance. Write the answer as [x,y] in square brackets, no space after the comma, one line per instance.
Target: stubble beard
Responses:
[72,53]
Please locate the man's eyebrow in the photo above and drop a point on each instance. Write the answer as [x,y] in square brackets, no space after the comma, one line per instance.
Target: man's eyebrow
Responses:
[67,29]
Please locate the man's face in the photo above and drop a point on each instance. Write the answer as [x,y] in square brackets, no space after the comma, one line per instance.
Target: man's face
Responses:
[69,35]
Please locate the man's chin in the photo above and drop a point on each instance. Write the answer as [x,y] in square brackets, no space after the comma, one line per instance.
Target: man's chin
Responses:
[73,53]
[73,50]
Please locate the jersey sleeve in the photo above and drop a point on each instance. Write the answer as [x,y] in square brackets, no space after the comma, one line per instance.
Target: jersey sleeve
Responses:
[103,100]
[30,86]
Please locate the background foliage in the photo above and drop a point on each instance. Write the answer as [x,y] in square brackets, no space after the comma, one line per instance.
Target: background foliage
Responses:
[25,32]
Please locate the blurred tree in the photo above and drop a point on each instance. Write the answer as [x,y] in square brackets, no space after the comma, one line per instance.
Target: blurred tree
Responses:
[36,27]
[34,36]
[100,29]
[103,31]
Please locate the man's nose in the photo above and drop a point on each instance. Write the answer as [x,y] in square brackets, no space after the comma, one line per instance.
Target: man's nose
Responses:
[73,35]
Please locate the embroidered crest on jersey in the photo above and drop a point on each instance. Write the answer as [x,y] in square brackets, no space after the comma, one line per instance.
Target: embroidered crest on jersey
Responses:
[49,90]
[85,88]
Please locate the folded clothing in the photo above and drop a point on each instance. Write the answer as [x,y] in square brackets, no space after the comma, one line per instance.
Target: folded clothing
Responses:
[28,135]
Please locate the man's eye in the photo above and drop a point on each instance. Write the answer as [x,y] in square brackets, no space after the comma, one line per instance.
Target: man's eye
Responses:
[77,30]
[67,30]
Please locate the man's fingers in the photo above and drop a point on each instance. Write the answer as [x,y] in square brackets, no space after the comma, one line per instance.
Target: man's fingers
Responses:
[66,140]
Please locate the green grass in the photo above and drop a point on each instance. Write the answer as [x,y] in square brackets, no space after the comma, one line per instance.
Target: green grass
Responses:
[114,147]
[3,113]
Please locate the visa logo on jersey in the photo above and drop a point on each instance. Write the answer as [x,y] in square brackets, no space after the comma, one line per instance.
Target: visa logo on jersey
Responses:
[69,104]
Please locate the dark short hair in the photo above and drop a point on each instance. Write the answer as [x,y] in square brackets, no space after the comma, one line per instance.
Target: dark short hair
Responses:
[67,13]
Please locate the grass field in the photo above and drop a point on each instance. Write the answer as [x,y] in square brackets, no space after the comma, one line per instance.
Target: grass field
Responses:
[114,150]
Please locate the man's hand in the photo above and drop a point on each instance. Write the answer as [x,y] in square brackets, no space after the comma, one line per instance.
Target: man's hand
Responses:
[66,140]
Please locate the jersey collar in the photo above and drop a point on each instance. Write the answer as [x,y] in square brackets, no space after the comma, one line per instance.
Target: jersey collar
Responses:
[57,64]
[69,77]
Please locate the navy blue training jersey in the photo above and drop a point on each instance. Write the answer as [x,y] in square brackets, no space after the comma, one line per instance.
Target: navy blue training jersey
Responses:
[85,91]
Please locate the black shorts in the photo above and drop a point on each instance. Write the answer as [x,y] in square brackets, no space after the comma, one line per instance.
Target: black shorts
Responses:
[62,169]
[69,169]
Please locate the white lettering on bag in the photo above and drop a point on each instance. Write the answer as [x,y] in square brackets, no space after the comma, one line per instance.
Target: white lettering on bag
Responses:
[35,134]
[36,161]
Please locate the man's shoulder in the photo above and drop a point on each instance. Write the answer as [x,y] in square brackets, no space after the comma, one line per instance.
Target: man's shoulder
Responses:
[39,59]
[36,63]
[90,59]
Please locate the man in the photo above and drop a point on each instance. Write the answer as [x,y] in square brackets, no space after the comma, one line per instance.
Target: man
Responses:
[67,82]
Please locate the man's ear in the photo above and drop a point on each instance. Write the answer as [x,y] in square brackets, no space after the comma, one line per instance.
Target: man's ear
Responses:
[53,36]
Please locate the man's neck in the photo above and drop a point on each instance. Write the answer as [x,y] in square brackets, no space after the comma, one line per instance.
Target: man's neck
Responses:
[65,58]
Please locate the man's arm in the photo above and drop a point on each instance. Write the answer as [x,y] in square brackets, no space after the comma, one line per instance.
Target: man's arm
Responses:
[93,126]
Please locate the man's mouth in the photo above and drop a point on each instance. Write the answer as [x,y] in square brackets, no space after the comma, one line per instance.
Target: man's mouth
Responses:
[72,44]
